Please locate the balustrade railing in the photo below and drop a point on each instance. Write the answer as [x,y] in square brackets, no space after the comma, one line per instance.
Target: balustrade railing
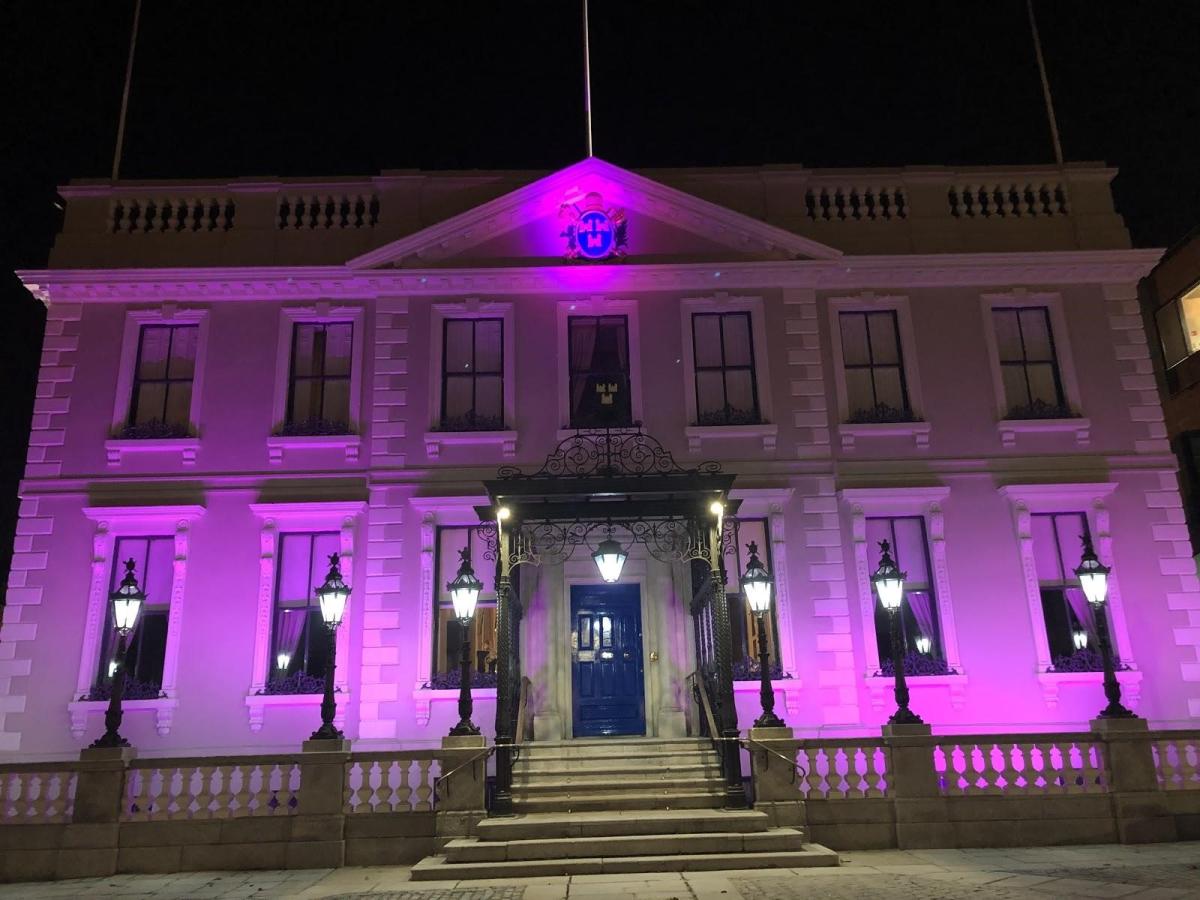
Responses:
[314,212]
[1008,200]
[37,793]
[211,788]
[399,781]
[1026,764]
[844,769]
[855,203]
[1177,759]
[173,215]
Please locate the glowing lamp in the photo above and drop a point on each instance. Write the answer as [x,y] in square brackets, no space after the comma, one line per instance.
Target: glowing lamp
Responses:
[888,579]
[112,668]
[716,508]
[127,600]
[282,661]
[1081,640]
[1092,575]
[503,513]
[924,644]
[756,582]
[610,559]
[464,589]
[333,594]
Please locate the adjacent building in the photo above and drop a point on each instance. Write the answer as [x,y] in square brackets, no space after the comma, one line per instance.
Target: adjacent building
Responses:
[242,377]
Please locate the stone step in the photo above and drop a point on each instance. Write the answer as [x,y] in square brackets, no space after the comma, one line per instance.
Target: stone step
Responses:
[635,758]
[533,774]
[589,785]
[436,868]
[610,749]
[646,799]
[775,840]
[622,823]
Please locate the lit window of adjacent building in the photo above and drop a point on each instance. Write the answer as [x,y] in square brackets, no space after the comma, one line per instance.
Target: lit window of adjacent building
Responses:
[920,630]
[161,400]
[598,366]
[1179,332]
[1057,545]
[1033,387]
[318,399]
[299,639]
[876,390]
[726,389]
[154,566]
[472,375]
[448,633]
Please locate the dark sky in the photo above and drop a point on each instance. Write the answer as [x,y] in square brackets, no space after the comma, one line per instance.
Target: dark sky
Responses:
[305,88]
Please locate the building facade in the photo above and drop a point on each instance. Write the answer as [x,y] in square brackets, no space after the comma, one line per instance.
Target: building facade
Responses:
[240,378]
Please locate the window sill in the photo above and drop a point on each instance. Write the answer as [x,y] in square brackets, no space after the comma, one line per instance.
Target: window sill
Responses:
[162,707]
[349,443]
[918,431]
[696,434]
[881,688]
[1010,428]
[1129,679]
[116,448]
[789,687]
[257,704]
[435,440]
[426,697]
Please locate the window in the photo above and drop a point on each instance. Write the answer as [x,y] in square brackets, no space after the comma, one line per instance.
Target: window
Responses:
[448,633]
[161,401]
[726,388]
[472,375]
[299,639]
[745,634]
[598,365]
[918,618]
[1029,370]
[1179,327]
[318,399]
[1057,546]
[154,562]
[876,389]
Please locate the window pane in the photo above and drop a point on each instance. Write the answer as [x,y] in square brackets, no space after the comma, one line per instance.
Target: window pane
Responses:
[1045,550]
[159,573]
[1042,383]
[877,530]
[1035,329]
[1015,391]
[488,345]
[1008,334]
[610,353]
[707,331]
[135,548]
[337,401]
[854,339]
[489,401]
[295,568]
[859,395]
[885,347]
[1058,623]
[737,340]
[888,388]
[306,401]
[451,541]
[339,340]
[1191,319]
[179,403]
[910,549]
[316,642]
[583,339]
[710,393]
[739,389]
[1171,332]
[183,351]
[458,346]
[151,647]
[148,402]
[1070,530]
[458,401]
[152,355]
[324,545]
[303,347]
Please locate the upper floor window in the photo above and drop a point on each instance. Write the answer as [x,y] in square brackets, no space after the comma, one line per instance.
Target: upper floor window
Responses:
[299,639]
[920,630]
[1033,387]
[876,389]
[472,375]
[161,400]
[726,387]
[154,561]
[448,636]
[1070,619]
[318,400]
[598,366]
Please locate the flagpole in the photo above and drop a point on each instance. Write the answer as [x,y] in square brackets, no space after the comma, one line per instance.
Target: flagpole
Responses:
[587,78]
[1037,49]
[116,166]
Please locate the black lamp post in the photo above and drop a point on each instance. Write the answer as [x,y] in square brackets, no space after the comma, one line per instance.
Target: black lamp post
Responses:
[1093,578]
[464,593]
[332,597]
[127,602]
[756,588]
[889,585]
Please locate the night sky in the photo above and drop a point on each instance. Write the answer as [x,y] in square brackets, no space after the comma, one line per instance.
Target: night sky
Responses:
[341,88]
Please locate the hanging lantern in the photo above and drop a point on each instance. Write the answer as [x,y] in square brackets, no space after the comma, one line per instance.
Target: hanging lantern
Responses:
[610,559]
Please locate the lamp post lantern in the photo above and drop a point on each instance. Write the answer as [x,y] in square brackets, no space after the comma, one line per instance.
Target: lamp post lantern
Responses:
[464,594]
[756,588]
[332,597]
[610,559]
[1093,578]
[127,602]
[889,585]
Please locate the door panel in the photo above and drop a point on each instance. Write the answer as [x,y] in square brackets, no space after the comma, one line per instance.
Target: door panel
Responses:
[608,694]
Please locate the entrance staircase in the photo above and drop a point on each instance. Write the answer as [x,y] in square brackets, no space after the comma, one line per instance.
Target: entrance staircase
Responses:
[620,805]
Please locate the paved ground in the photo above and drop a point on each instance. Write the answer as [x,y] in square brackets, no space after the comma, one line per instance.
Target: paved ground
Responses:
[1146,872]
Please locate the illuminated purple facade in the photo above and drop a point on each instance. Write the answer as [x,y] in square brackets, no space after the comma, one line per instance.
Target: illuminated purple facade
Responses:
[241,378]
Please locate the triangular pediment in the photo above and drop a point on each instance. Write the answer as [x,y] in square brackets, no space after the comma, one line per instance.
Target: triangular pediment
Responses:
[642,220]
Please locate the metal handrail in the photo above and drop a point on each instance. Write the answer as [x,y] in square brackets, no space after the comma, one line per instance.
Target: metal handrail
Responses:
[797,769]
[698,687]
[483,754]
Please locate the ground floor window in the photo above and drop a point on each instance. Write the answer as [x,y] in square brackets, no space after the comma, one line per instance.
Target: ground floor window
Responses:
[1069,618]
[448,632]
[746,635]
[920,629]
[299,639]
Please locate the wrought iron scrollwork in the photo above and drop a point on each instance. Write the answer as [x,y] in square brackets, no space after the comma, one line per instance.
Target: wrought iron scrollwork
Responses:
[608,453]
[552,542]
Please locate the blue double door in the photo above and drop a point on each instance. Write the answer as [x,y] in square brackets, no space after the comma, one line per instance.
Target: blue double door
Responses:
[608,690]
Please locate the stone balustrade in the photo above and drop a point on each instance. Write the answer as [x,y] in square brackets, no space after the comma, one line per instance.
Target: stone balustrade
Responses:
[40,794]
[843,769]
[393,781]
[1021,764]
[211,788]
[1177,759]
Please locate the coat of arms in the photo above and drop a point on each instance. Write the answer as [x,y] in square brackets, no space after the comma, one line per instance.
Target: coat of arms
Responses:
[593,232]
